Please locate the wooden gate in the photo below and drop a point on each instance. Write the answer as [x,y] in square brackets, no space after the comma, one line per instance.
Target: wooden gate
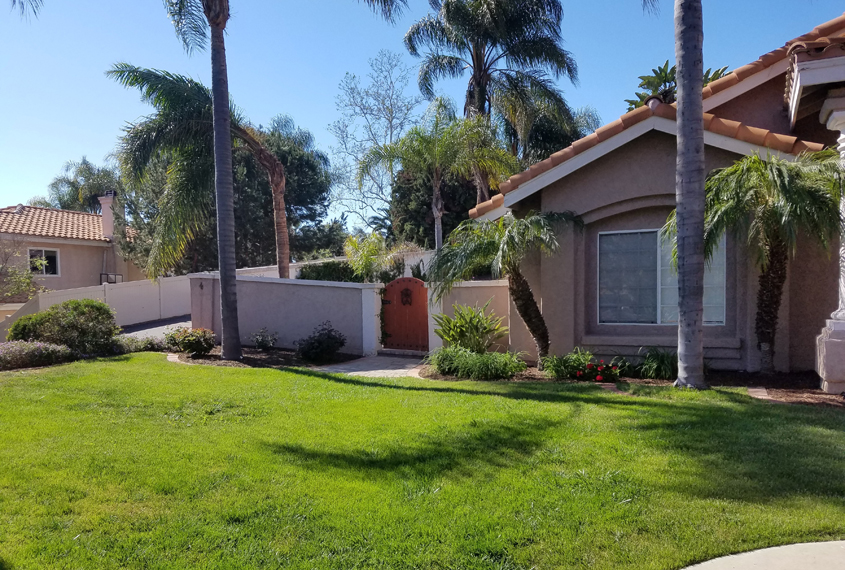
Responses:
[405,307]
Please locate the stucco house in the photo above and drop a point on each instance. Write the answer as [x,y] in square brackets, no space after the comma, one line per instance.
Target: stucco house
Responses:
[78,247]
[610,288]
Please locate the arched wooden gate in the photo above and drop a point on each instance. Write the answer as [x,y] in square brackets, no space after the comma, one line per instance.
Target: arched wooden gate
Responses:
[405,307]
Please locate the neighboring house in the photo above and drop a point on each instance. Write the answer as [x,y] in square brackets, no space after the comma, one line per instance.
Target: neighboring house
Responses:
[78,247]
[611,287]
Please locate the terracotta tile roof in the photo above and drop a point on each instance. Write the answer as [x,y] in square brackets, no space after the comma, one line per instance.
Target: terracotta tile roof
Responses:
[733,129]
[819,33]
[51,223]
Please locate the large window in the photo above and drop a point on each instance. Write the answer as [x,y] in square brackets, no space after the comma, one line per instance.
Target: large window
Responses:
[638,284]
[50,256]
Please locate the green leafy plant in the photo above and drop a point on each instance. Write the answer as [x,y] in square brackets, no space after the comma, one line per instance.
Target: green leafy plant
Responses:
[471,328]
[580,364]
[658,363]
[125,344]
[322,345]
[464,363]
[194,342]
[264,339]
[86,326]
[373,261]
[340,271]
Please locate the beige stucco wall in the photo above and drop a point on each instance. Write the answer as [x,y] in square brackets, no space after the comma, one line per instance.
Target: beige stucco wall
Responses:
[631,189]
[292,308]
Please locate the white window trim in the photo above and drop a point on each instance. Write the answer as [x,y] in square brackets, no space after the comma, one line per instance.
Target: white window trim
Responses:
[658,293]
[58,260]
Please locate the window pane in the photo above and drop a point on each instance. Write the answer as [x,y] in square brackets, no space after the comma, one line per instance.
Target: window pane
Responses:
[628,277]
[714,287]
[36,254]
[52,266]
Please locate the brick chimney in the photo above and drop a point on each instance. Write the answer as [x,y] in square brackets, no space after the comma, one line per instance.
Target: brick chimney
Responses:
[106,206]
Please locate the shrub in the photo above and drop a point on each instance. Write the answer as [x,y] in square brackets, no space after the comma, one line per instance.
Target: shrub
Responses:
[321,345]
[195,342]
[659,364]
[24,354]
[580,364]
[124,344]
[84,325]
[464,363]
[470,328]
[264,339]
[329,271]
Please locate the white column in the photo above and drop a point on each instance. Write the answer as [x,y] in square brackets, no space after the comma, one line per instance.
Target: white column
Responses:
[830,345]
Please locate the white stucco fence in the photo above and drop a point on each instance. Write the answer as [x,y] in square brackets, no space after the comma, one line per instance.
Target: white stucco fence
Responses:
[133,302]
[292,308]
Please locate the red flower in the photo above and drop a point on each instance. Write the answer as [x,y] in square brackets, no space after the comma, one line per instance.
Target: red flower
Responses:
[599,378]
[615,367]
[601,367]
[590,365]
[602,361]
[578,373]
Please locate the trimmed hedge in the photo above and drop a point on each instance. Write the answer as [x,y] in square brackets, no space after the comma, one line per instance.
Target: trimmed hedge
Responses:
[195,342]
[84,325]
[24,354]
[330,271]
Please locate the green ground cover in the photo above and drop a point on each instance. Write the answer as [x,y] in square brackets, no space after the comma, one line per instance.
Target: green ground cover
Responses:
[134,462]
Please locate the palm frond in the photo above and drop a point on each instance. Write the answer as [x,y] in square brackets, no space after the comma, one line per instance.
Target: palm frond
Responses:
[27,7]
[390,10]
[188,17]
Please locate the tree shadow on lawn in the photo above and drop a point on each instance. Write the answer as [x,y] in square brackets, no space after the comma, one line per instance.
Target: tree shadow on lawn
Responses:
[461,451]
[738,448]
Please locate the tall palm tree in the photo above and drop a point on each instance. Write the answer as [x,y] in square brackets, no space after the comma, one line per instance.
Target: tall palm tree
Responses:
[80,187]
[503,44]
[192,19]
[689,192]
[772,201]
[500,246]
[183,119]
[442,144]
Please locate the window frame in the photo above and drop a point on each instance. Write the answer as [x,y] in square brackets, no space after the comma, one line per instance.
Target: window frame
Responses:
[658,287]
[44,251]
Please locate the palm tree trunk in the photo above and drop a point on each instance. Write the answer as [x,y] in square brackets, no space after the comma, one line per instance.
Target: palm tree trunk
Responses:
[689,190]
[481,186]
[769,295]
[230,332]
[280,222]
[437,210]
[526,306]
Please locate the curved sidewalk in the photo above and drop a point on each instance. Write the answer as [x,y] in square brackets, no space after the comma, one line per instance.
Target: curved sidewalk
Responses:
[806,556]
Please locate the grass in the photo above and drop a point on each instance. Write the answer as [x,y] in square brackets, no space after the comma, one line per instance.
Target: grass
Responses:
[134,462]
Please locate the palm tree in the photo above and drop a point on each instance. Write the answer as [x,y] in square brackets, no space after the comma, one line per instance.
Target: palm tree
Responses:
[27,7]
[184,120]
[503,44]
[772,201]
[192,18]
[500,246]
[80,187]
[663,83]
[442,144]
[689,192]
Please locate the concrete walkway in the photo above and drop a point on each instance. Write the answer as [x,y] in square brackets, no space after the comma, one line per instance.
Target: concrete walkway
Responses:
[378,367]
[157,328]
[808,556]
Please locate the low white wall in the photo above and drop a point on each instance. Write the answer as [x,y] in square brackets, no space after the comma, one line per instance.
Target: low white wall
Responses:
[292,308]
[133,302]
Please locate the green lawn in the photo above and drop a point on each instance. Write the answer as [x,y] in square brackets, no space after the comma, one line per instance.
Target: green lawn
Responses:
[134,462]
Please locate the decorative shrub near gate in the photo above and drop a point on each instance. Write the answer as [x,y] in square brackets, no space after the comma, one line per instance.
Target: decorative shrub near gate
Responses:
[471,328]
[464,363]
[580,364]
[322,345]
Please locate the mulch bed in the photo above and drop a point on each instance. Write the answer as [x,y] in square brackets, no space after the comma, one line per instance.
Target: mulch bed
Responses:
[254,358]
[793,388]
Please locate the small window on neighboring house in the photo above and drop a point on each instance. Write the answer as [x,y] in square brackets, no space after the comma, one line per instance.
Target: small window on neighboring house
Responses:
[638,285]
[51,258]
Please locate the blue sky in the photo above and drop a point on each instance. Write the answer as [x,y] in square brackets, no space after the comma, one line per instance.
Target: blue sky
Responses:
[288,56]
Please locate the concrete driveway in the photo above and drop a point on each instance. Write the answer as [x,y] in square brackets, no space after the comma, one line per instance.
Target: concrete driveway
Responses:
[157,328]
